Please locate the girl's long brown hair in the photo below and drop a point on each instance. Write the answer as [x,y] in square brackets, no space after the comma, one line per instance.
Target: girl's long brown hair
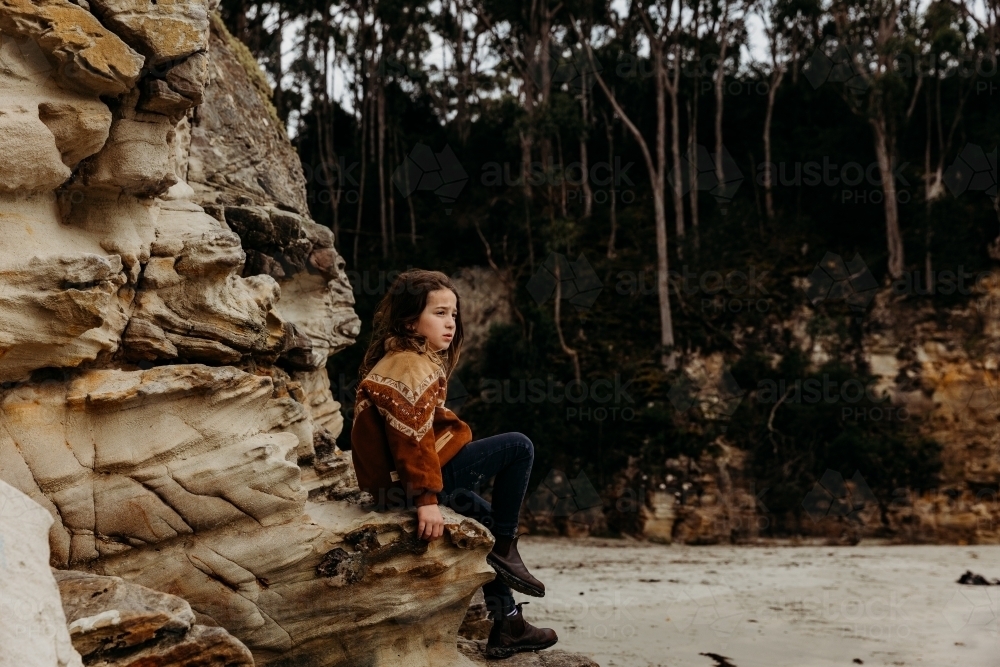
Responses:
[399,309]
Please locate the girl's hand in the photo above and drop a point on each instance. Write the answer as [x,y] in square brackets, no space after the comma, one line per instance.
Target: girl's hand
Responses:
[430,523]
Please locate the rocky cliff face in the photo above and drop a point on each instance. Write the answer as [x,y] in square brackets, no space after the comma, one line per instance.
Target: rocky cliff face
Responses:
[942,367]
[167,310]
[937,367]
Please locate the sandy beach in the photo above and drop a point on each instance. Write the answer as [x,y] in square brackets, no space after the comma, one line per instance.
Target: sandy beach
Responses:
[633,604]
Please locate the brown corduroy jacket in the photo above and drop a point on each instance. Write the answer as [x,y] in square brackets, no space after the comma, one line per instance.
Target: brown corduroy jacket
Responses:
[402,431]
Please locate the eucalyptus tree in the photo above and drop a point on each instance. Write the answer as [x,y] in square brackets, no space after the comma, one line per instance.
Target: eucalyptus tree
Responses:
[952,53]
[528,36]
[522,34]
[878,35]
[725,23]
[696,44]
[464,36]
[786,26]
[658,27]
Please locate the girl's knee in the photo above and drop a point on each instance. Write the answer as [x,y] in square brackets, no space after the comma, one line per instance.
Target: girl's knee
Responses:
[525,443]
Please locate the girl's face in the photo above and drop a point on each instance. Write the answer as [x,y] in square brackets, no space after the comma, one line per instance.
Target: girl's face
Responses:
[437,321]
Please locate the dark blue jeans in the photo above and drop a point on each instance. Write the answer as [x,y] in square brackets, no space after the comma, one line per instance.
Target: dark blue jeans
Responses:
[508,457]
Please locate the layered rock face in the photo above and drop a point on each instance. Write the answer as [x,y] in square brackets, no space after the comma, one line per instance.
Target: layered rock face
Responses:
[116,623]
[943,368]
[167,310]
[935,366]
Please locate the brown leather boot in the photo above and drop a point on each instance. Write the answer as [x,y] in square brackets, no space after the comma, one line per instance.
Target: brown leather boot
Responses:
[512,634]
[509,566]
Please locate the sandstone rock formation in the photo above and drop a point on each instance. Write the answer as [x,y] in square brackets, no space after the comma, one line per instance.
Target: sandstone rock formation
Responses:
[33,632]
[167,311]
[936,366]
[115,623]
[943,369]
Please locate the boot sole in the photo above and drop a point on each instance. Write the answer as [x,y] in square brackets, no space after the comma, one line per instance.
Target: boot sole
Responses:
[501,652]
[518,585]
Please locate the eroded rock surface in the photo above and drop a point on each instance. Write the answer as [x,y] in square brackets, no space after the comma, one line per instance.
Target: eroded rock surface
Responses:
[943,368]
[936,367]
[114,623]
[81,53]
[167,312]
[148,456]
[239,152]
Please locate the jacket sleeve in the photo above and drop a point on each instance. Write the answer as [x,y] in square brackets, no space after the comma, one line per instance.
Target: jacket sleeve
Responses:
[409,429]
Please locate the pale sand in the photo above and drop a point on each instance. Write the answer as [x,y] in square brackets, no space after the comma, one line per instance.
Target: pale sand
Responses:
[766,606]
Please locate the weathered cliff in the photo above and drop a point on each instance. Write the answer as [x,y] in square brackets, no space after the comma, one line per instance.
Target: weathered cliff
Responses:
[167,310]
[934,367]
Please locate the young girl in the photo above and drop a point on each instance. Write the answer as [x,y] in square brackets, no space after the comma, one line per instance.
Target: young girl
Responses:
[410,450]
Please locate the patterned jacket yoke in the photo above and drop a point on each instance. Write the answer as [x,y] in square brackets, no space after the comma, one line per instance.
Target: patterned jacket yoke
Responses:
[402,432]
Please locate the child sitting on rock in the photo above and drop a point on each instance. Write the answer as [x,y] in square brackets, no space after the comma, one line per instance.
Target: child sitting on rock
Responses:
[410,450]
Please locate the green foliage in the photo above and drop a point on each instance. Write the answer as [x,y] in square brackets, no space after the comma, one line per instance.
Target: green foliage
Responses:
[833,418]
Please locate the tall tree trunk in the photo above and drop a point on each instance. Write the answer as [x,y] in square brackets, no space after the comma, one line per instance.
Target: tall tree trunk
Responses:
[570,352]
[768,171]
[380,101]
[365,128]
[672,86]
[462,73]
[656,176]
[928,198]
[391,196]
[584,163]
[610,133]
[526,194]
[885,154]
[720,83]
[562,177]
[693,134]
[668,359]
[692,152]
[406,184]
[329,161]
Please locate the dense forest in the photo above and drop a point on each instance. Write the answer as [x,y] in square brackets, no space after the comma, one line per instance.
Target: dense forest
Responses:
[649,191]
